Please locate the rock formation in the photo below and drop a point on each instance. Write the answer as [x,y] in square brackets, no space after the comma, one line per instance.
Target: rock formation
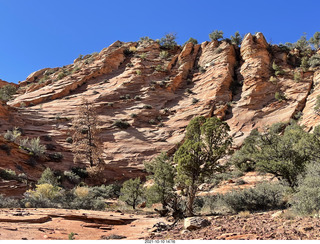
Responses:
[157,91]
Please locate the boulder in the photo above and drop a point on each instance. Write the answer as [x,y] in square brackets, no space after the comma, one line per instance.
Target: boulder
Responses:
[194,223]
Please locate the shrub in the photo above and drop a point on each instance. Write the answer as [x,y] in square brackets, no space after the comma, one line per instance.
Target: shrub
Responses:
[317,105]
[195,100]
[168,41]
[297,76]
[12,135]
[106,191]
[191,40]
[143,56]
[69,140]
[163,54]
[61,75]
[137,98]
[279,96]
[56,157]
[315,40]
[121,124]
[6,148]
[81,172]
[147,106]
[277,69]
[307,198]
[138,72]
[72,177]
[8,174]
[236,39]
[216,35]
[33,146]
[264,196]
[304,63]
[7,91]
[6,202]
[48,177]
[273,80]
[131,192]
[314,61]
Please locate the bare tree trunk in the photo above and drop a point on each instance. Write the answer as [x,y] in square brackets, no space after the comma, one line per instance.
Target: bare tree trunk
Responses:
[190,200]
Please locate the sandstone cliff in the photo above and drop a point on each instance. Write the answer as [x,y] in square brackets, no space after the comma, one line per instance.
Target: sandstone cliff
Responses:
[158,91]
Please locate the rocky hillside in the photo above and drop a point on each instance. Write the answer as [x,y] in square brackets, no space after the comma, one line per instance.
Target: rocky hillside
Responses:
[157,91]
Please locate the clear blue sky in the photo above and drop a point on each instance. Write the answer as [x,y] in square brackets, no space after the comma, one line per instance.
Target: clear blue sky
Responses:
[35,34]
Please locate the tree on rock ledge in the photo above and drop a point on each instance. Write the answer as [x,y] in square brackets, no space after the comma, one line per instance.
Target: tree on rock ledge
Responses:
[86,145]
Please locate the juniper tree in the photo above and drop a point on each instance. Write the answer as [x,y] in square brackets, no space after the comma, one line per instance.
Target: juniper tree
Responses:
[86,145]
[206,142]
[162,172]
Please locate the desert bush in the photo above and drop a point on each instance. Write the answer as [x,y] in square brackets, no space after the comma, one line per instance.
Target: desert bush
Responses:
[8,174]
[121,124]
[33,146]
[6,148]
[304,63]
[317,105]
[6,202]
[315,40]
[195,100]
[12,135]
[7,91]
[216,35]
[163,54]
[297,76]
[147,106]
[106,191]
[281,150]
[48,177]
[69,140]
[168,41]
[264,196]
[131,192]
[72,177]
[307,198]
[314,61]
[277,69]
[236,39]
[81,172]
[279,96]
[191,40]
[56,157]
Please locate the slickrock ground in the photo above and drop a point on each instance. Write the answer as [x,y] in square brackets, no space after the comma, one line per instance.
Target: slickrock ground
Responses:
[256,226]
[57,224]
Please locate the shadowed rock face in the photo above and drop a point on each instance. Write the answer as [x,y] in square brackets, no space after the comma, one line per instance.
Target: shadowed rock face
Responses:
[212,78]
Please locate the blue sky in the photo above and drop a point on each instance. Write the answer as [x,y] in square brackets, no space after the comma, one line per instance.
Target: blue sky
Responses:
[35,34]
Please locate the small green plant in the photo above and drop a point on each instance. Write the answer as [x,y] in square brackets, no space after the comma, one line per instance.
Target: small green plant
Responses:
[61,75]
[137,98]
[133,115]
[314,61]
[216,35]
[273,80]
[7,91]
[48,177]
[195,100]
[168,41]
[317,105]
[163,54]
[143,56]
[152,122]
[236,39]
[12,135]
[147,106]
[279,96]
[159,68]
[304,64]
[315,40]
[138,72]
[55,157]
[191,40]
[297,76]
[121,124]
[71,236]
[69,140]
[277,69]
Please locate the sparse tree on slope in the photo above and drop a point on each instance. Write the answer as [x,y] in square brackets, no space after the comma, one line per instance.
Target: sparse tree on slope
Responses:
[86,146]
